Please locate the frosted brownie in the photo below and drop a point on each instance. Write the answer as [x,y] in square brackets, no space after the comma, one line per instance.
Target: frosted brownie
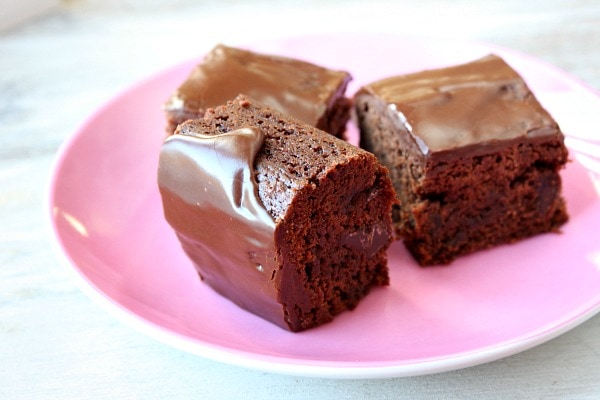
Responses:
[474,157]
[311,93]
[283,219]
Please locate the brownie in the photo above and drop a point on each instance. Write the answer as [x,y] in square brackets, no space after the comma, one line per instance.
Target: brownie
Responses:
[287,221]
[474,157]
[311,93]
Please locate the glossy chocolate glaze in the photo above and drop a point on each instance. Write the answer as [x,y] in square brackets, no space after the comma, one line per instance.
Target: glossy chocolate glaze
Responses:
[483,102]
[210,198]
[296,88]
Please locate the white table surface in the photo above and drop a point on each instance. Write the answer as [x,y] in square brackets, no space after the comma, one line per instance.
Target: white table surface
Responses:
[57,69]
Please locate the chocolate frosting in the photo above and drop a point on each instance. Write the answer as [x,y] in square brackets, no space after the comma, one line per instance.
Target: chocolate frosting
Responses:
[294,87]
[210,194]
[462,106]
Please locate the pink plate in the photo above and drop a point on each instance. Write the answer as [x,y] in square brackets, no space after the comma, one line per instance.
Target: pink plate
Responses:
[106,215]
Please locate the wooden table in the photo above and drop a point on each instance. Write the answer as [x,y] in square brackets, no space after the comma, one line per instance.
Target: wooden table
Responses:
[56,70]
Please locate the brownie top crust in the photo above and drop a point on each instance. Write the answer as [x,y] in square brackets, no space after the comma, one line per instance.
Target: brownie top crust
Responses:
[291,86]
[484,102]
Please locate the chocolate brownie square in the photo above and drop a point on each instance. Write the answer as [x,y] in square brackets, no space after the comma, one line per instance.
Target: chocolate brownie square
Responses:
[311,93]
[285,220]
[474,157]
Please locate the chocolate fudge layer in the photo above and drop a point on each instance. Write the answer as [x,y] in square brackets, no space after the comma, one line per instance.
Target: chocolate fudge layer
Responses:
[474,157]
[311,93]
[283,219]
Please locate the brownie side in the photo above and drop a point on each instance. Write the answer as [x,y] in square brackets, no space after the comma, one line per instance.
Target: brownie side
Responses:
[504,196]
[331,203]
[333,240]
[337,114]
[311,93]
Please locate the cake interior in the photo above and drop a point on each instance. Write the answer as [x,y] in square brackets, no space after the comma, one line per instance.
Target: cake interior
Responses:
[332,243]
